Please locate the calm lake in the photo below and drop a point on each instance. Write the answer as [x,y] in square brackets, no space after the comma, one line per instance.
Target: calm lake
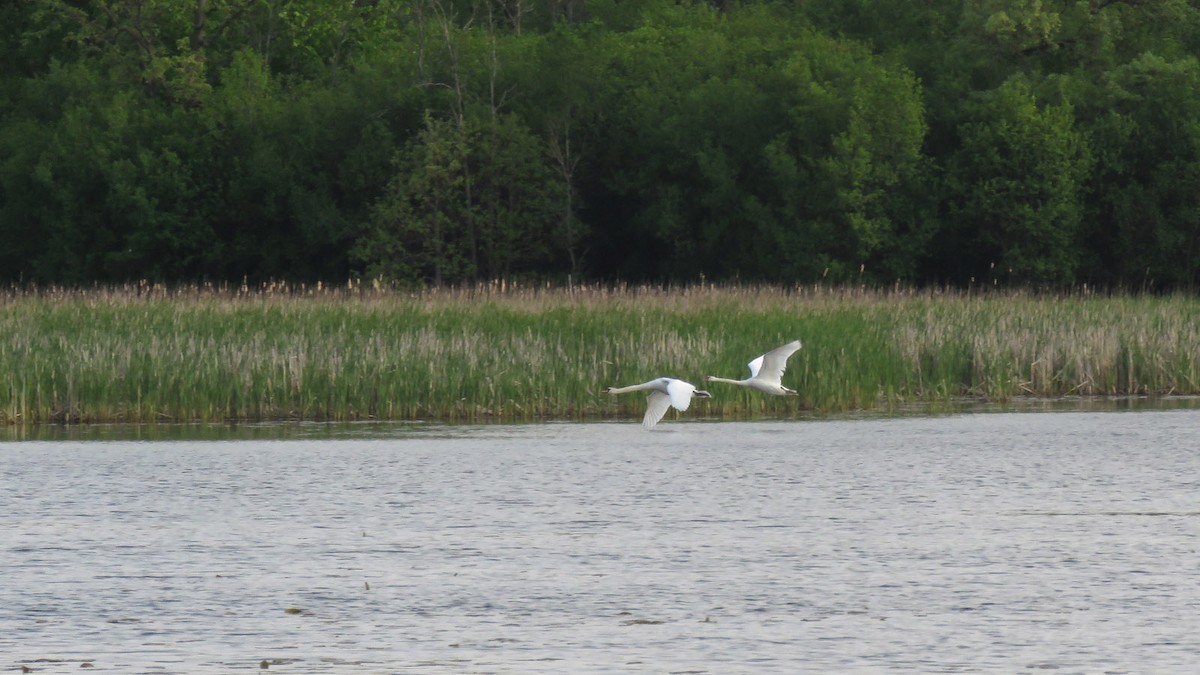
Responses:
[986,542]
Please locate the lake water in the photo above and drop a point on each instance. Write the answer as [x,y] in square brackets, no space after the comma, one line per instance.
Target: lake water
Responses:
[967,543]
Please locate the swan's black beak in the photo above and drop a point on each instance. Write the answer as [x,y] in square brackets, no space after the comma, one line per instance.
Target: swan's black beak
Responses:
[701,393]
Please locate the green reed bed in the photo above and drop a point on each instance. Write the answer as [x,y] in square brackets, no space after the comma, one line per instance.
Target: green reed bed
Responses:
[145,354]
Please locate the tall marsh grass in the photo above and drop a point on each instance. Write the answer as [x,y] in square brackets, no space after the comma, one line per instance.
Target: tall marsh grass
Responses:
[149,354]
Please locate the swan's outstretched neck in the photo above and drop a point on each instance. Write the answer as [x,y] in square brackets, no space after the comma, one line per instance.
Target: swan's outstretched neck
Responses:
[714,378]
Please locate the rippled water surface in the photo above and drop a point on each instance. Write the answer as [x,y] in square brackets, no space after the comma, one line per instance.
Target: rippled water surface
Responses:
[982,542]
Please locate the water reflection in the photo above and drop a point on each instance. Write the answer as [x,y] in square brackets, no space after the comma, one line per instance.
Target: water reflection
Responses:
[377,429]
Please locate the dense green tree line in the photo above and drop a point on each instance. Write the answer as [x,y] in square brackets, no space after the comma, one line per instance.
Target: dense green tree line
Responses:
[438,141]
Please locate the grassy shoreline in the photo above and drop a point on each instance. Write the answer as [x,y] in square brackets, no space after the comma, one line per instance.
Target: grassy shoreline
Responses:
[144,354]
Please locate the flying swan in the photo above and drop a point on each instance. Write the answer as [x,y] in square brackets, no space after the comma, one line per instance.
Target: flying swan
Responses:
[766,372]
[664,393]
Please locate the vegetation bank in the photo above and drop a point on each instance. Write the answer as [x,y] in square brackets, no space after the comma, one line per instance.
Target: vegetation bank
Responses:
[150,354]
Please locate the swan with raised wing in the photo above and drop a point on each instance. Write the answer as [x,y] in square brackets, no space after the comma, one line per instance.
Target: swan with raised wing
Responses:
[766,372]
[665,392]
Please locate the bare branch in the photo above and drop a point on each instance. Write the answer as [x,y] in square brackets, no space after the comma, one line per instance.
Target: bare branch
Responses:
[200,38]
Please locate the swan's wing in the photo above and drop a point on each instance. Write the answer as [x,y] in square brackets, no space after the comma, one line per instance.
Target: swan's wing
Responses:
[681,394]
[755,365]
[658,402]
[770,366]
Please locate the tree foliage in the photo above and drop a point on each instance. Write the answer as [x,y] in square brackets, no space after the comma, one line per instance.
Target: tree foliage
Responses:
[1035,142]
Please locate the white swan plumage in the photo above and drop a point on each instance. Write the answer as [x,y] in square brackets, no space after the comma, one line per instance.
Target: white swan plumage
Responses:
[665,392]
[766,372]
